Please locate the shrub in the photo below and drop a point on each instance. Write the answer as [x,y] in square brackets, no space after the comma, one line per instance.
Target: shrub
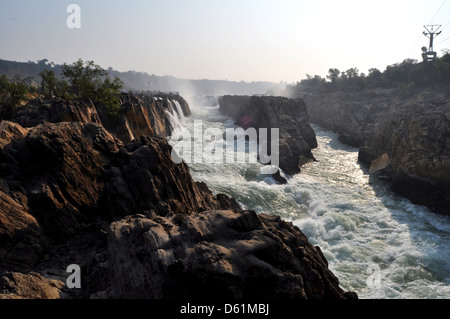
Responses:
[84,81]
[11,94]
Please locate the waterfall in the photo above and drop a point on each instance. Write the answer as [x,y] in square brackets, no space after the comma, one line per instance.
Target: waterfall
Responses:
[178,108]
[175,114]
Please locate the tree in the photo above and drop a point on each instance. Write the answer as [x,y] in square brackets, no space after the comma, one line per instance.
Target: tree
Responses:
[11,94]
[315,82]
[375,73]
[375,77]
[84,81]
[333,75]
[443,68]
[52,85]
[352,73]
[109,95]
[48,83]
[42,63]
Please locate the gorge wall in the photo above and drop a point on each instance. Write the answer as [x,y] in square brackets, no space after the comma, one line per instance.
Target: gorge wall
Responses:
[113,202]
[409,136]
[296,137]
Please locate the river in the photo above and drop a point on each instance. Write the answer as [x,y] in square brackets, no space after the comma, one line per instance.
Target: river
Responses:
[378,244]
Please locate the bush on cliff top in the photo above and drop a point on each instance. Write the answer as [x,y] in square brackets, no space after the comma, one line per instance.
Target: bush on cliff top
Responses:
[11,94]
[84,81]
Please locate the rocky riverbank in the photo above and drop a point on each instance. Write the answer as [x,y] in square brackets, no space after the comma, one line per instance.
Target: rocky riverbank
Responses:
[408,135]
[113,202]
[140,115]
[296,137]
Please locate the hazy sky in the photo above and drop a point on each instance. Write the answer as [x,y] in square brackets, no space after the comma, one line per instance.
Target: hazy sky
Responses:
[249,40]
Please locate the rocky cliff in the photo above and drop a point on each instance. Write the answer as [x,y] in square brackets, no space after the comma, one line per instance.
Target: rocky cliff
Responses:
[296,137]
[140,115]
[134,221]
[409,136]
[137,224]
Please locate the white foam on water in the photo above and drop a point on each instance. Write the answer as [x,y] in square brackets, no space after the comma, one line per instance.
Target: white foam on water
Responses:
[354,218]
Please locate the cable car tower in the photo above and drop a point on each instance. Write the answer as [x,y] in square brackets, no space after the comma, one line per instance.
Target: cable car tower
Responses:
[431,33]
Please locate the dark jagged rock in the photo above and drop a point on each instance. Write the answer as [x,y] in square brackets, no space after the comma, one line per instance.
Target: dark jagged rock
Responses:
[137,224]
[278,178]
[215,255]
[297,138]
[412,132]
[60,176]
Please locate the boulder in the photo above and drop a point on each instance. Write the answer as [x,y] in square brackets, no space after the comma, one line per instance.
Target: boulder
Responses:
[216,255]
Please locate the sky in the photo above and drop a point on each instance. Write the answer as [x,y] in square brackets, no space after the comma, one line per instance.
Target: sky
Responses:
[238,40]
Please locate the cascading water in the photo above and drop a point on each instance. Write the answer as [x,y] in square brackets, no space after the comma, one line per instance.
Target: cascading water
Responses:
[178,108]
[377,243]
[175,115]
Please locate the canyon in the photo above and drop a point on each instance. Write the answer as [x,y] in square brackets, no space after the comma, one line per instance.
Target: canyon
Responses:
[409,134]
[80,187]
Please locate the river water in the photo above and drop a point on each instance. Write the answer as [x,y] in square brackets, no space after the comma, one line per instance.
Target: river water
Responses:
[378,244]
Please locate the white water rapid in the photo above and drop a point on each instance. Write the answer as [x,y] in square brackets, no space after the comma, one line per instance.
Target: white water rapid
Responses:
[378,244]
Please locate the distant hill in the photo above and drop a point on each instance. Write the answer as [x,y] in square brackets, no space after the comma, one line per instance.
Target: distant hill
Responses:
[27,70]
[141,81]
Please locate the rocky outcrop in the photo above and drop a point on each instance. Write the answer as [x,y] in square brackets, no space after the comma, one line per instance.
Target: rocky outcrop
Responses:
[137,224]
[16,285]
[142,115]
[351,115]
[296,137]
[418,145]
[216,255]
[60,176]
[411,133]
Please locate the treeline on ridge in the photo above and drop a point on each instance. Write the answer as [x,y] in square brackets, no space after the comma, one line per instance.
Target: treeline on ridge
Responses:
[78,81]
[407,77]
